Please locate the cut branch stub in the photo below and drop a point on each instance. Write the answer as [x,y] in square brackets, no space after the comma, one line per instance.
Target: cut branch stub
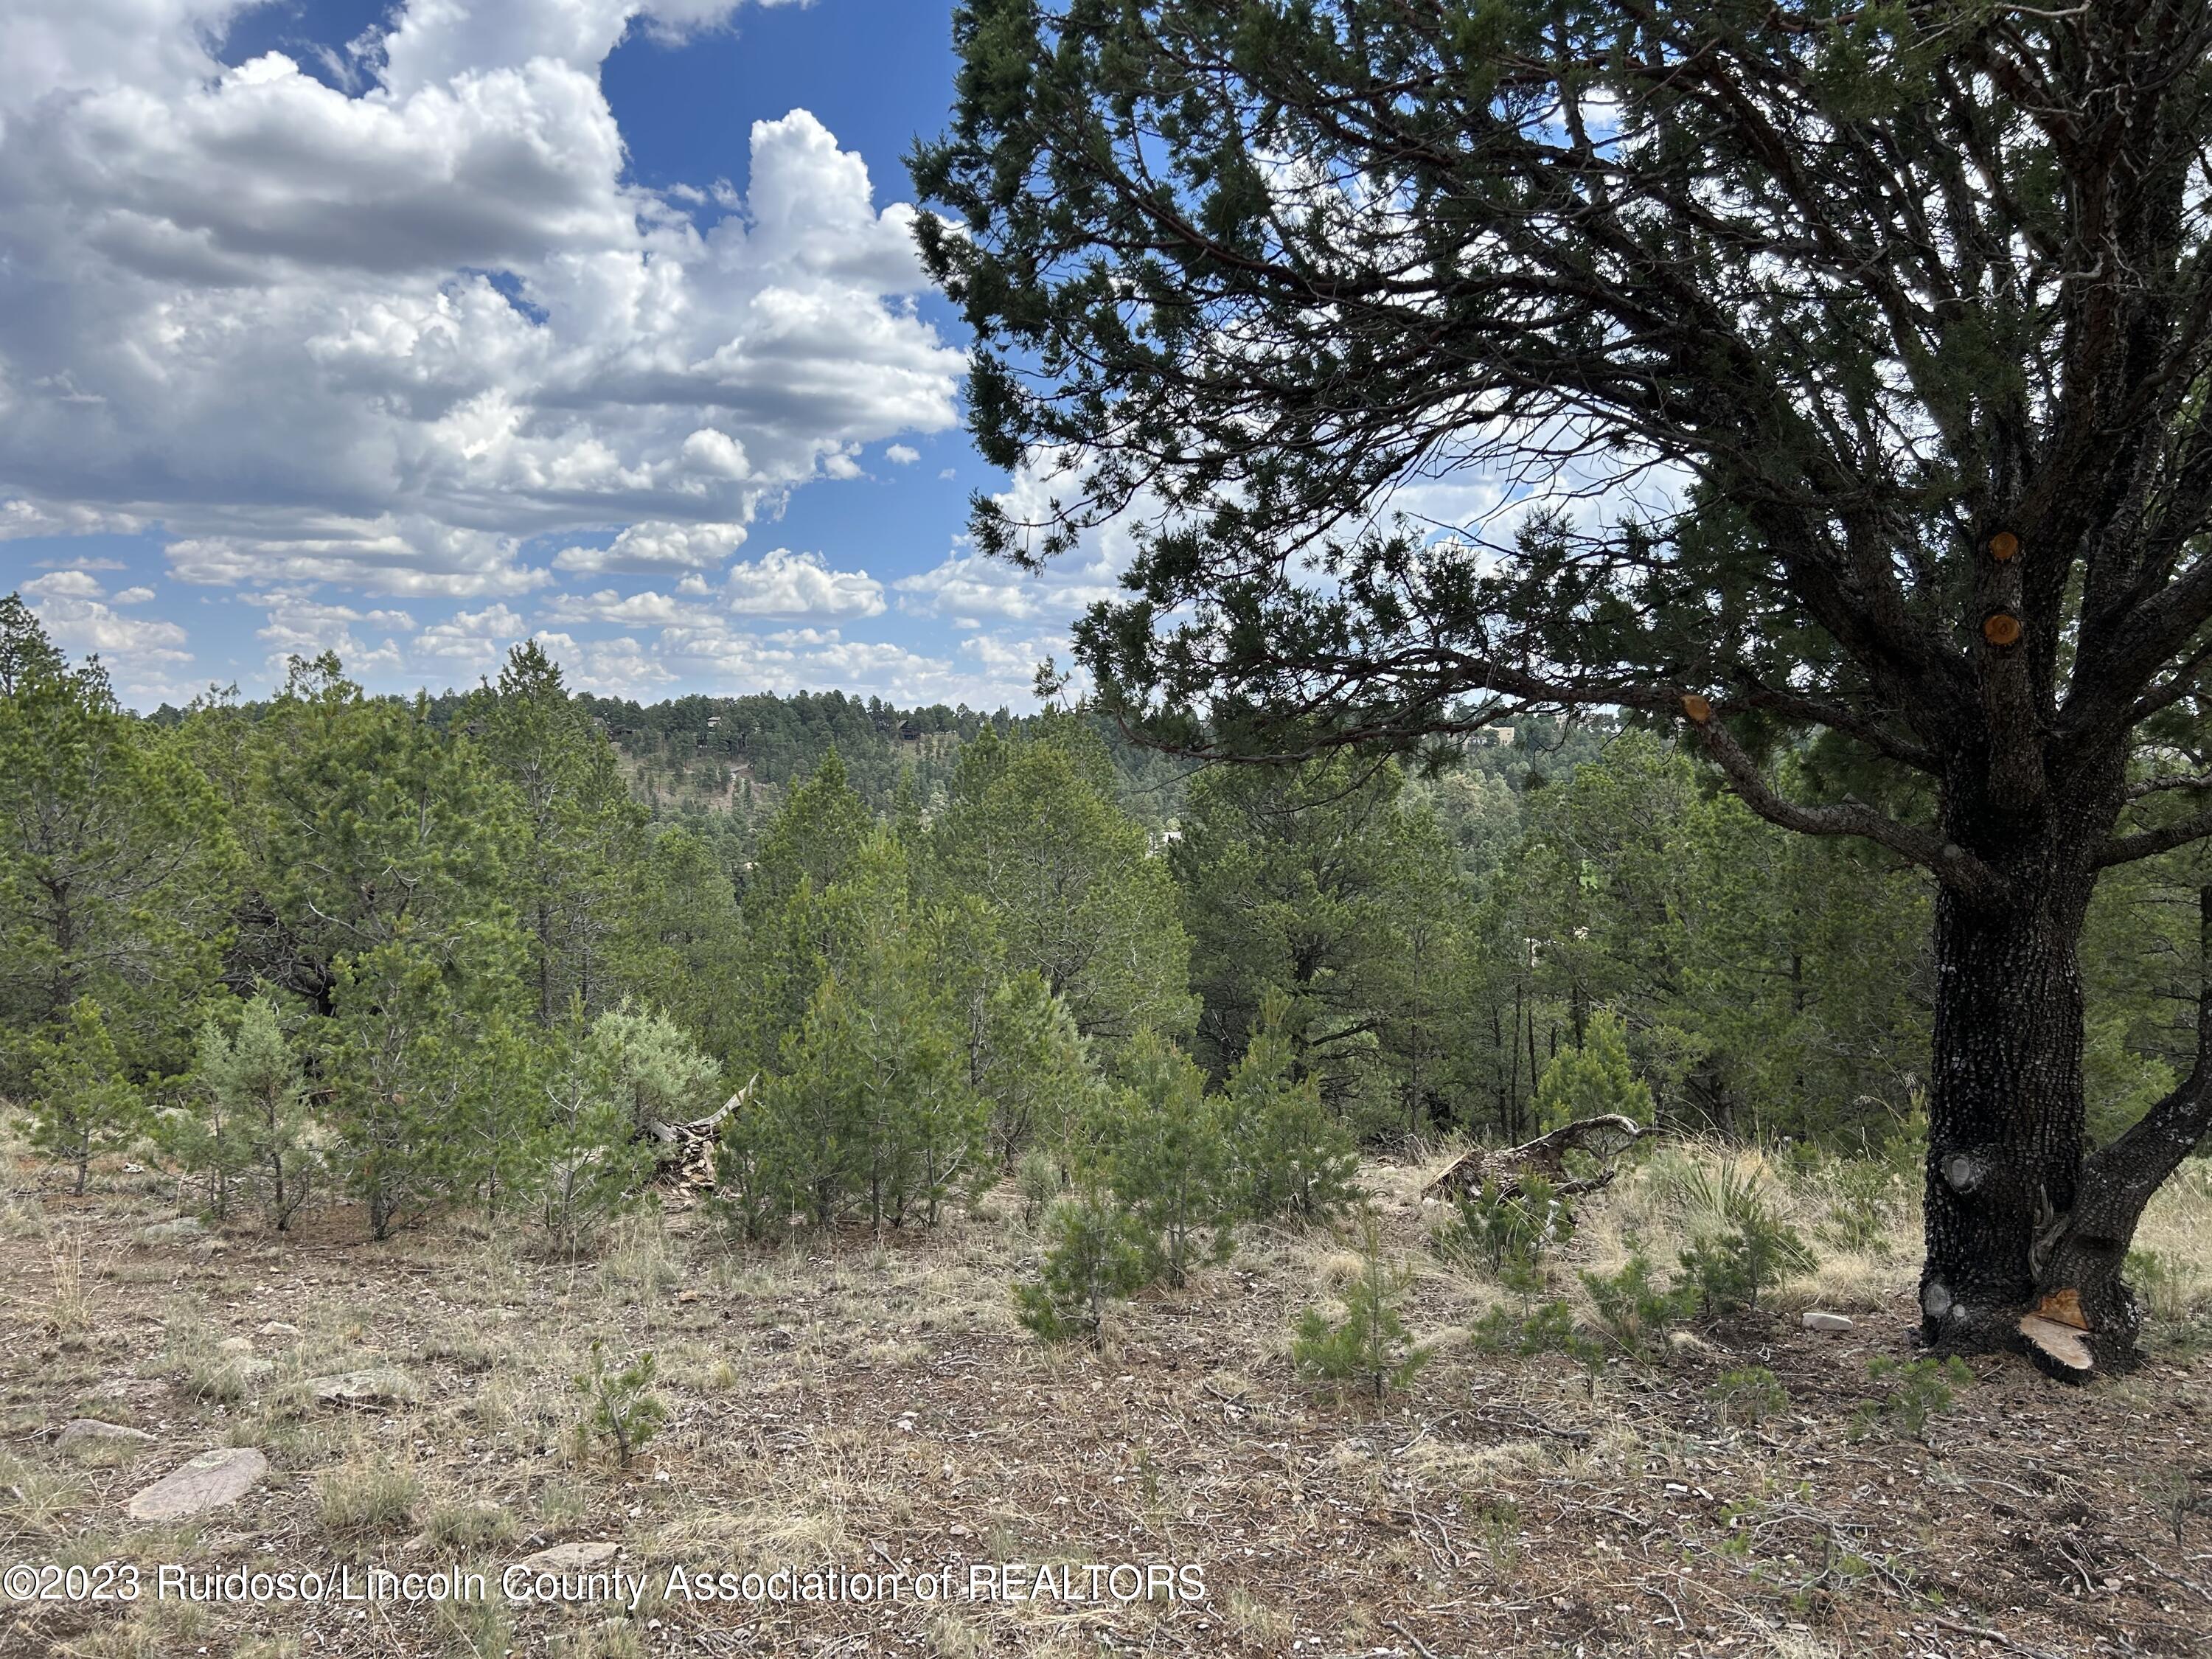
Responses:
[2061,1349]
[1697,707]
[2001,629]
[2004,546]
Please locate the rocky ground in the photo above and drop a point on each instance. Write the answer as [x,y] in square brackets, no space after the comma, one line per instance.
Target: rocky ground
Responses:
[315,1402]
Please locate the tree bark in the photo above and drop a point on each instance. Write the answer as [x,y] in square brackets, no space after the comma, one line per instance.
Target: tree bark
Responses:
[2080,1283]
[2005,1109]
[2027,1228]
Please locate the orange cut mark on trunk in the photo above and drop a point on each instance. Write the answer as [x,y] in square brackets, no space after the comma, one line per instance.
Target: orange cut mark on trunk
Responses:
[2063,1308]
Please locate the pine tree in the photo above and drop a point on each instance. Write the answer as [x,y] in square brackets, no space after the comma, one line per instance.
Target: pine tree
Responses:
[117,867]
[1031,829]
[428,1083]
[373,823]
[587,1161]
[81,1103]
[866,1105]
[1167,1158]
[1927,364]
[1098,1254]
[1593,1078]
[249,1122]
[578,841]
[1291,1155]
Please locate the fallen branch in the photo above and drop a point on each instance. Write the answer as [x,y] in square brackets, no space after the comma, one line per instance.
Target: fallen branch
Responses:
[1602,1138]
[684,1153]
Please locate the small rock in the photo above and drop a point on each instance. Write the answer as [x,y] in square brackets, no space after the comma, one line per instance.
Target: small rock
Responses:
[1828,1322]
[208,1482]
[380,1385]
[79,1430]
[570,1557]
[183,1231]
[278,1327]
[781,1338]
[236,1345]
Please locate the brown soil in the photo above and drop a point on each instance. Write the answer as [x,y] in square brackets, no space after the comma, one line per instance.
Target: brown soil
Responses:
[839,1405]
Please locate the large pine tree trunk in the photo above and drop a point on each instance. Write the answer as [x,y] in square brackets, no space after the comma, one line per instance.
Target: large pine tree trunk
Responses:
[2027,1229]
[2005,1108]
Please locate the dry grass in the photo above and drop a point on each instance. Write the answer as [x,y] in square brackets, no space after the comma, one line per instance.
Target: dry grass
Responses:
[838,1402]
[70,1280]
[371,1494]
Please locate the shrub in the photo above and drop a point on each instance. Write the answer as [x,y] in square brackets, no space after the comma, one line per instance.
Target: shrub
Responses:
[1631,1310]
[1547,1327]
[1923,1390]
[620,1406]
[1500,1229]
[1753,1250]
[587,1164]
[1098,1254]
[82,1104]
[1370,1345]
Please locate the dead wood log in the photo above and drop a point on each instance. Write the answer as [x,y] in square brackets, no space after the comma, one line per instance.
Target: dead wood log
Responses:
[684,1154]
[1604,1138]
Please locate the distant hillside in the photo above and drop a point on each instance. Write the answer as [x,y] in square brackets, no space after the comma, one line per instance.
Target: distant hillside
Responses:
[700,755]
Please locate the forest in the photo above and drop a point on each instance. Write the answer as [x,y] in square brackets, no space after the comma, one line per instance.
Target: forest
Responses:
[411,956]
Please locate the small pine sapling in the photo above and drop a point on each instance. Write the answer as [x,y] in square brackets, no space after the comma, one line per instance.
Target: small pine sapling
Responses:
[1293,1157]
[1167,1158]
[83,1104]
[620,1406]
[1753,1250]
[1370,1345]
[1921,1390]
[1752,1392]
[1504,1229]
[1634,1313]
[1036,1178]
[249,1120]
[1098,1254]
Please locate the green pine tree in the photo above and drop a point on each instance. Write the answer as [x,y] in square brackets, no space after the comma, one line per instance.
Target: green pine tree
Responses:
[83,1104]
[1593,1078]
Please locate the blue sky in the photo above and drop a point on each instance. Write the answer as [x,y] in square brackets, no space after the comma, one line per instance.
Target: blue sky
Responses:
[412,330]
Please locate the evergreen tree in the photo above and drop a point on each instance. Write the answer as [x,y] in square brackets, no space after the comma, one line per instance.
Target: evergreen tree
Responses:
[1097,1255]
[373,823]
[577,845]
[587,1160]
[1941,510]
[83,1104]
[867,1104]
[427,1085]
[1593,1078]
[1311,883]
[248,1122]
[1167,1158]
[1291,1155]
[1030,830]
[116,864]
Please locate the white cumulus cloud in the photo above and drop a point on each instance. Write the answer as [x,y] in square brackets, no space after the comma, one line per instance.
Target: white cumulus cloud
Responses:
[781,583]
[391,338]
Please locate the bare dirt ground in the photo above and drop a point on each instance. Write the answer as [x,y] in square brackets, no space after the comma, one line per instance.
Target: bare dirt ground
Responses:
[844,1407]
